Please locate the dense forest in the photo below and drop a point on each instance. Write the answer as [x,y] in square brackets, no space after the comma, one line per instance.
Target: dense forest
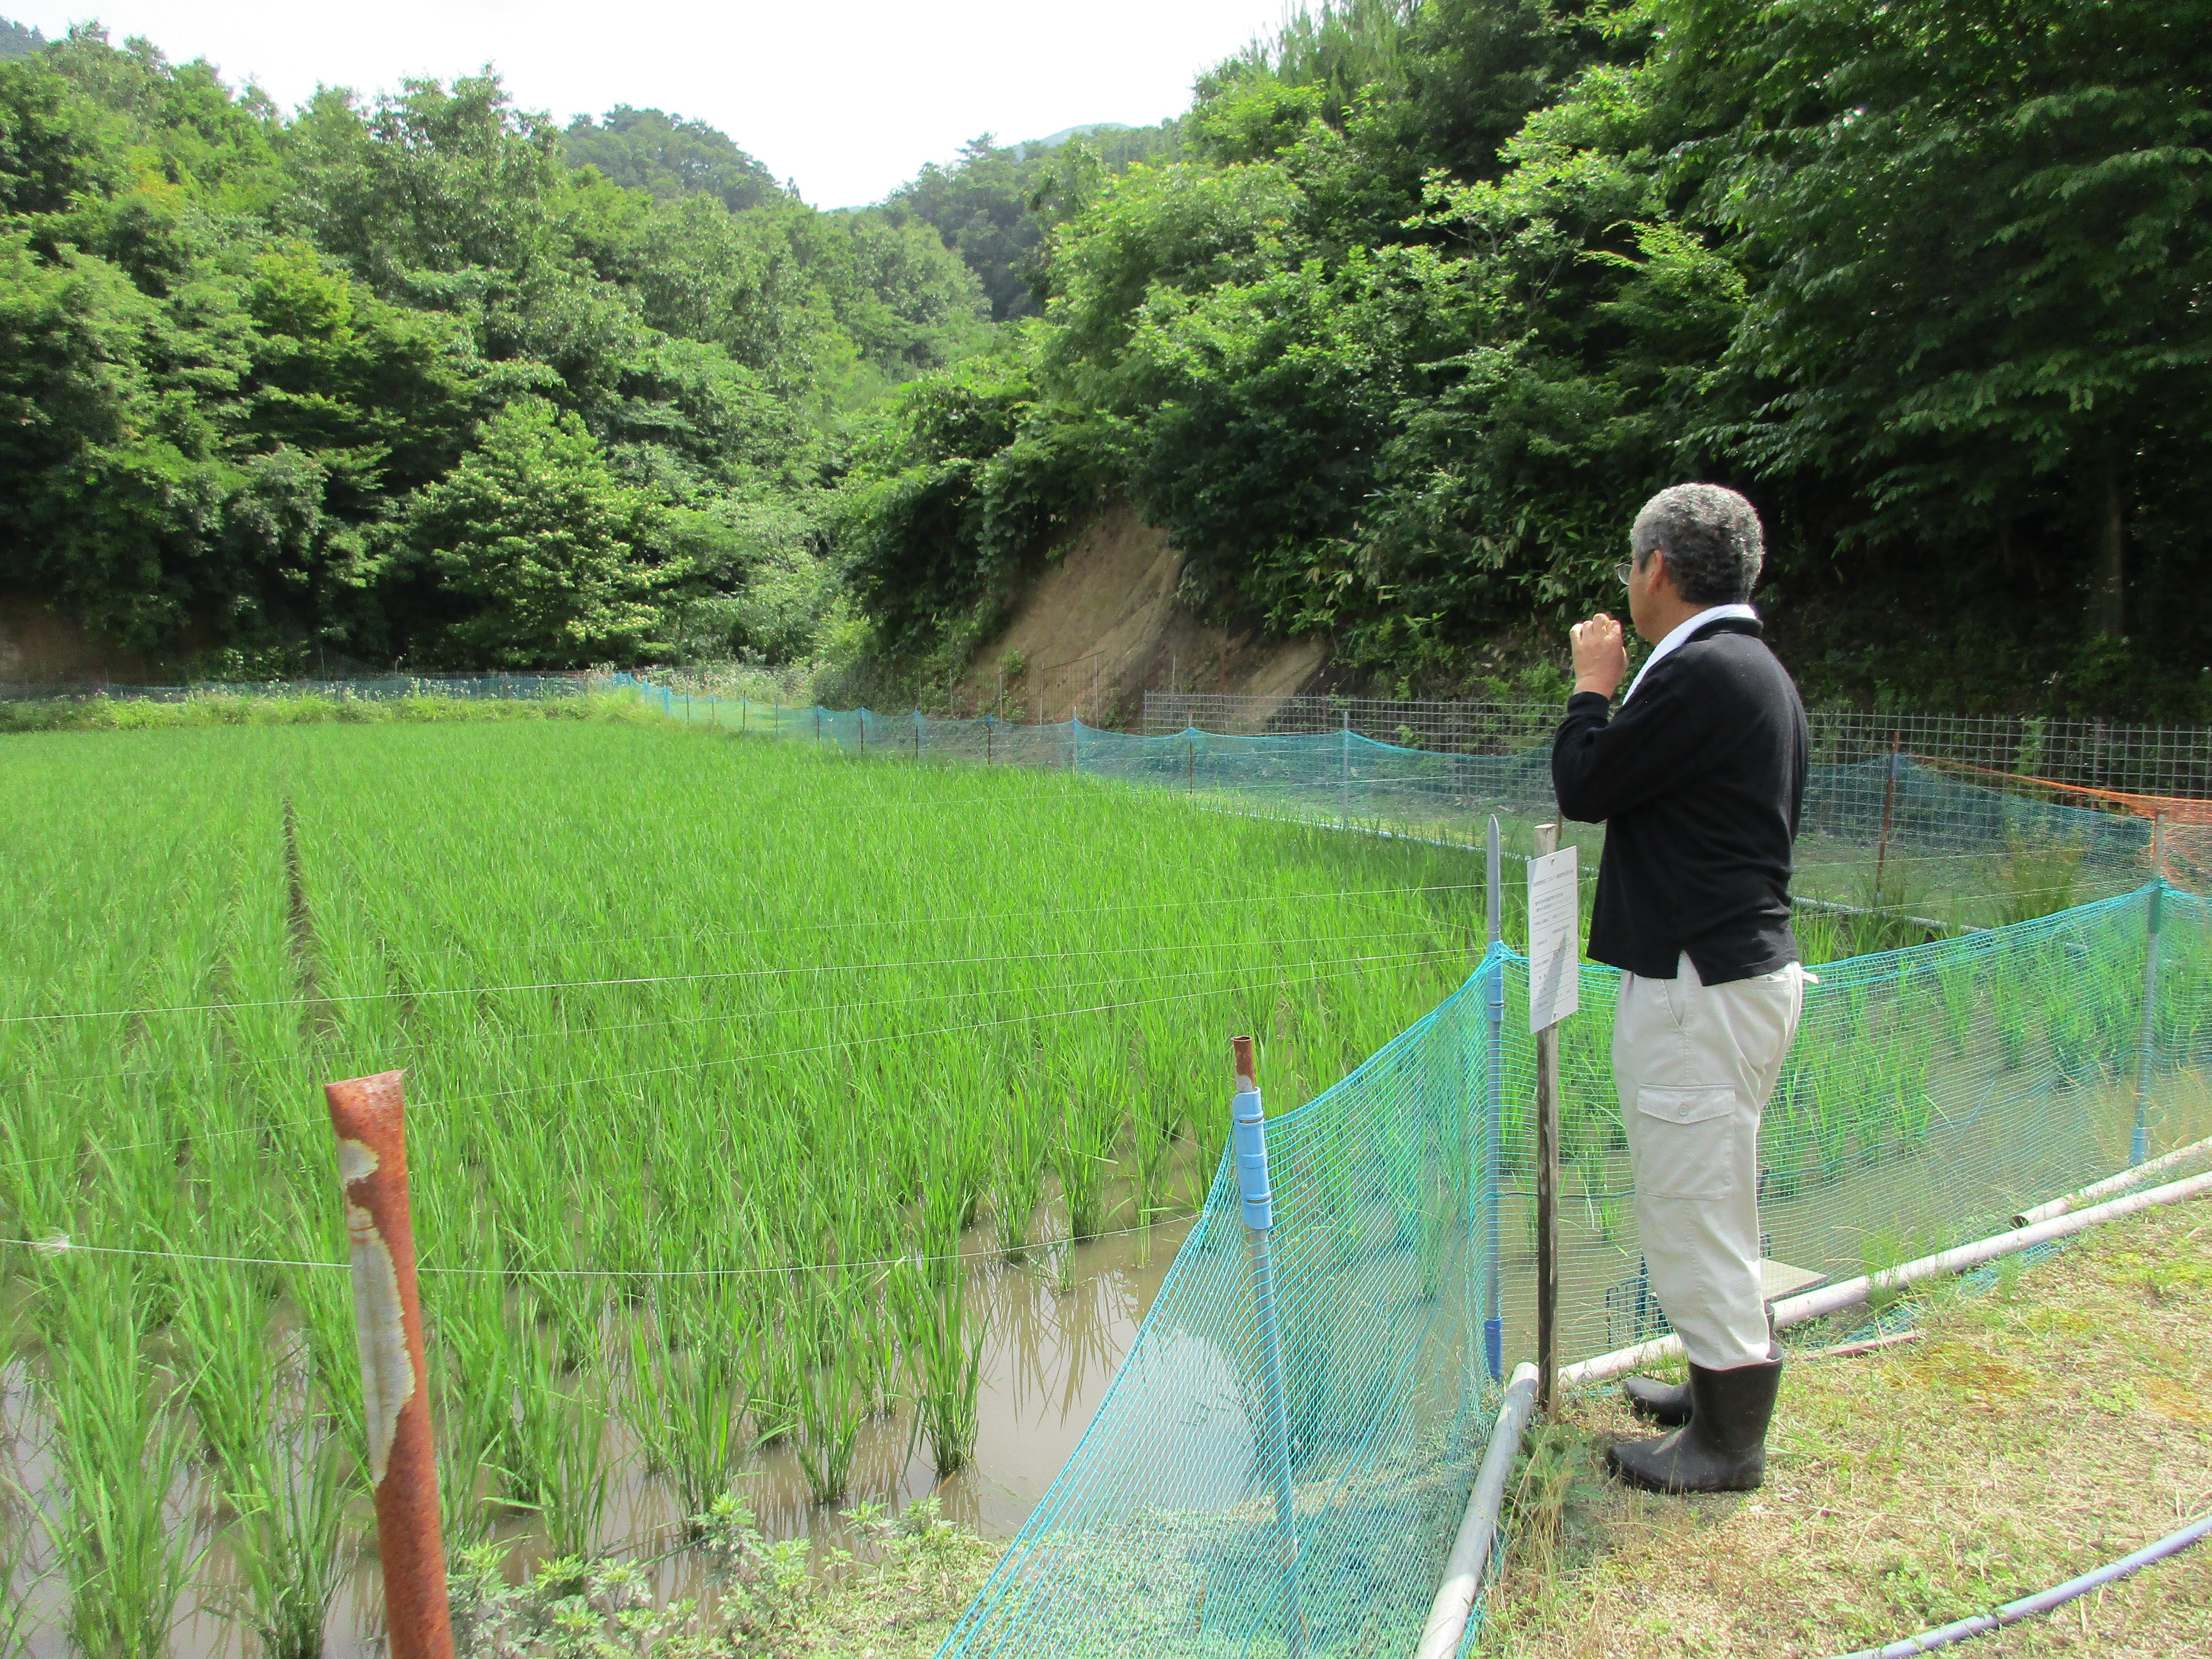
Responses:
[1392,330]
[428,380]
[1433,294]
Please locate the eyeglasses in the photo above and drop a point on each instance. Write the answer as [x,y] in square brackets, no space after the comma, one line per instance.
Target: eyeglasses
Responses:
[1620,572]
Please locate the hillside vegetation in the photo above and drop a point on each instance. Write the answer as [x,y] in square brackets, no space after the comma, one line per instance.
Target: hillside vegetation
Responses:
[1434,295]
[1391,331]
[396,378]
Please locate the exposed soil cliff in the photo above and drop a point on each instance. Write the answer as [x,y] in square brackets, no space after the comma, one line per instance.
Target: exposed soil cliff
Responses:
[1102,626]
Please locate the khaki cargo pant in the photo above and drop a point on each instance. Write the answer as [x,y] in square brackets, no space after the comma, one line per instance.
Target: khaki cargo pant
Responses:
[1694,1066]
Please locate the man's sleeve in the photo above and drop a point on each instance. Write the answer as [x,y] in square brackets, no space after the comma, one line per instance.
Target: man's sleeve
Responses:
[1603,763]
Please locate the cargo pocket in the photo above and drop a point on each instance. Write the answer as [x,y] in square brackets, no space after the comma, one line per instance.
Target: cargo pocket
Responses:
[1685,1142]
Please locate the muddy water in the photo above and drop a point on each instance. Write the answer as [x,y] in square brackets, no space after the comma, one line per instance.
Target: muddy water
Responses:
[1058,1324]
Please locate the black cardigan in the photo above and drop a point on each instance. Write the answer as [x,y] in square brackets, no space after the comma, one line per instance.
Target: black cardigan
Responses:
[1700,783]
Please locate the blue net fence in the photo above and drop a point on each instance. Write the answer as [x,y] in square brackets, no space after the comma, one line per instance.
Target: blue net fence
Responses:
[1885,832]
[1932,1091]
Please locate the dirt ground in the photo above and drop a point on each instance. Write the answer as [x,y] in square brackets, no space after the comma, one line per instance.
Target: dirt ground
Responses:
[2054,1421]
[1104,624]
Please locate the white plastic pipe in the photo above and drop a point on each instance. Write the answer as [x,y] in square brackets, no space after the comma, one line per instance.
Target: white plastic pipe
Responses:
[1469,1560]
[1829,1298]
[2133,1176]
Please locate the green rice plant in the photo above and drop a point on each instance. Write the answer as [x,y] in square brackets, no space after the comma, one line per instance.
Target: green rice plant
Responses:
[822,1327]
[687,1401]
[1959,992]
[22,1576]
[2011,1007]
[123,1540]
[290,1499]
[1082,1157]
[2038,879]
[557,1464]
[1019,1168]
[278,1464]
[944,1350]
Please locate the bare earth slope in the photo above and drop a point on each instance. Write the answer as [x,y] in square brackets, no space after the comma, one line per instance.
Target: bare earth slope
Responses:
[1102,625]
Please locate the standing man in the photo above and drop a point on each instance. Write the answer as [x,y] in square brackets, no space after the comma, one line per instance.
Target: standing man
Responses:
[1700,778]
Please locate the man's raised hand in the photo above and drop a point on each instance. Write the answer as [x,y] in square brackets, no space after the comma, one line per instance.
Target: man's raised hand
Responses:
[1601,657]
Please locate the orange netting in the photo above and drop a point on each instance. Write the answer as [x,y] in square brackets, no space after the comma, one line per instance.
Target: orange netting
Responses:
[2176,810]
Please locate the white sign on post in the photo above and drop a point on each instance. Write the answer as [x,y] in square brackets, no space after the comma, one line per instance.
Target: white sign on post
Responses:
[1554,938]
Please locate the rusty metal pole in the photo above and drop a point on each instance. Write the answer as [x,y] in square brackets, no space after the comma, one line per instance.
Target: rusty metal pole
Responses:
[368,1114]
[1888,805]
[2146,1037]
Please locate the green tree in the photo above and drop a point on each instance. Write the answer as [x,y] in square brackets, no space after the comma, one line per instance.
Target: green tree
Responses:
[1986,238]
[668,157]
[555,556]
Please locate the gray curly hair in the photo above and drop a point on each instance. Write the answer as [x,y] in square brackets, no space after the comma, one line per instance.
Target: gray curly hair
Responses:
[1712,539]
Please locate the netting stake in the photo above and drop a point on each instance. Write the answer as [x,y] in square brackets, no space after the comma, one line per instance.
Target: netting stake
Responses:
[1547,1188]
[2147,1038]
[1343,807]
[1493,997]
[1247,1128]
[369,1114]
[987,733]
[1888,803]
[917,734]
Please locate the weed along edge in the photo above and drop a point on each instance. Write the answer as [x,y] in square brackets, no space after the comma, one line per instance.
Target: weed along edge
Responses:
[2051,1424]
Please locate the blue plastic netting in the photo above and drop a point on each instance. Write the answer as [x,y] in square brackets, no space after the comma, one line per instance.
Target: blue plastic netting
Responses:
[1931,1091]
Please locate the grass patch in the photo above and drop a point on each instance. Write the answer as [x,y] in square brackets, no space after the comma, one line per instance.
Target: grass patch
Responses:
[2058,1421]
[223,708]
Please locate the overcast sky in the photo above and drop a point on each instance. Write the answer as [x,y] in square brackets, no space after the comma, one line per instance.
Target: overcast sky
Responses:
[847,99]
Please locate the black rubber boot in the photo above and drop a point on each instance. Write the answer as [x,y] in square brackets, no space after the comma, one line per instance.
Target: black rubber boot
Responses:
[1722,1448]
[1666,1404]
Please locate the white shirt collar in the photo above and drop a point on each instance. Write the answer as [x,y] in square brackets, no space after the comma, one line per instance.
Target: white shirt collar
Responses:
[1680,635]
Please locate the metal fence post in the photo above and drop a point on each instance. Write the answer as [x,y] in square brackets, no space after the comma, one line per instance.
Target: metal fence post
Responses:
[1344,804]
[1248,1130]
[1888,805]
[1547,1179]
[2147,1038]
[1493,997]
[369,1114]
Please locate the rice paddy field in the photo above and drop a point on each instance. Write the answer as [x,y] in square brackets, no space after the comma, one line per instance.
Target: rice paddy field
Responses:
[787,1120]
[759,1099]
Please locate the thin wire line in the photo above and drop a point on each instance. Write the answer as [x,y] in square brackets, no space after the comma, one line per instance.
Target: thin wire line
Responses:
[61,1245]
[904,1036]
[673,979]
[538,1033]
[447,1101]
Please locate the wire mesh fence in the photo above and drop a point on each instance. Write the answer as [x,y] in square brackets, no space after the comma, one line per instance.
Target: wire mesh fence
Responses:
[1887,833]
[2152,760]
